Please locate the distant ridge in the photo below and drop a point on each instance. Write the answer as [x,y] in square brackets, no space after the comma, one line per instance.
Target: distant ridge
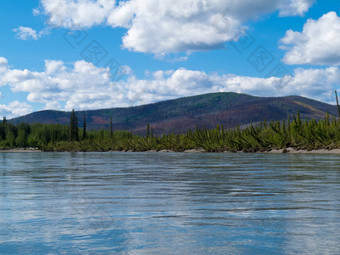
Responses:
[179,115]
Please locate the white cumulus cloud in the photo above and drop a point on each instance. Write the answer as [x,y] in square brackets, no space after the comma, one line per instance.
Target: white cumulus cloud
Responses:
[313,83]
[84,86]
[168,26]
[78,87]
[15,109]
[26,33]
[76,13]
[297,7]
[175,25]
[317,44]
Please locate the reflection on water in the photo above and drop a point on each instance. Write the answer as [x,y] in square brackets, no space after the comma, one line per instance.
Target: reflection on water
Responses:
[169,203]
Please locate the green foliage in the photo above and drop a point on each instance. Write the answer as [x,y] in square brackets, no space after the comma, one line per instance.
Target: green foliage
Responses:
[148,131]
[74,127]
[84,128]
[307,134]
[111,127]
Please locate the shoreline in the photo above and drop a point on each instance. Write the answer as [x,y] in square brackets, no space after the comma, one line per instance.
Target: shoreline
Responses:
[273,151]
[20,150]
[295,151]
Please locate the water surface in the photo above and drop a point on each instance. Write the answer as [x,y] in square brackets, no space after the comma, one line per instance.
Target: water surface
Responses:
[169,203]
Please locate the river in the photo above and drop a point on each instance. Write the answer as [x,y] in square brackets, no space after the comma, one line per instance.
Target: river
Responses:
[169,203]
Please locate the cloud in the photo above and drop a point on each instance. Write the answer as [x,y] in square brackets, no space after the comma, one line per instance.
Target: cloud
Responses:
[168,26]
[76,13]
[3,68]
[317,44]
[84,86]
[15,109]
[182,82]
[295,8]
[26,33]
[175,26]
[3,63]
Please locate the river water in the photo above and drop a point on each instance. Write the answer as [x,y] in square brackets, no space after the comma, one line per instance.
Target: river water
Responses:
[169,203]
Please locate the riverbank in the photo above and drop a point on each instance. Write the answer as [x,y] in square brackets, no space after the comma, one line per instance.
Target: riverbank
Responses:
[282,151]
[20,150]
[297,136]
[274,151]
[295,151]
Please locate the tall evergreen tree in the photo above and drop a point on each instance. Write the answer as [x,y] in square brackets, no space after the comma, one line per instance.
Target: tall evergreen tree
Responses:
[84,127]
[111,127]
[148,131]
[337,103]
[74,127]
[23,133]
[3,129]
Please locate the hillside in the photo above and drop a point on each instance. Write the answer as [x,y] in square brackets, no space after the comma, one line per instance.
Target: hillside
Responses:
[179,115]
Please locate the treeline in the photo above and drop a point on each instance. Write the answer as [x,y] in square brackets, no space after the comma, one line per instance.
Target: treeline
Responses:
[294,132]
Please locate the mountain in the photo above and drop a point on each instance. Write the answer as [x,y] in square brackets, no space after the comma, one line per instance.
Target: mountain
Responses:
[179,115]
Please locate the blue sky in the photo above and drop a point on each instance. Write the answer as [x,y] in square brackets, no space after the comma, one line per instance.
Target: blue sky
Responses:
[65,54]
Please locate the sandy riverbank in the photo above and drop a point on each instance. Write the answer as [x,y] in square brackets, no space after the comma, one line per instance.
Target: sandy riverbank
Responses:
[294,151]
[21,150]
[281,151]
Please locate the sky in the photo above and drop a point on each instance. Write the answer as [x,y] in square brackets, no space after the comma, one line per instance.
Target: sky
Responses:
[93,54]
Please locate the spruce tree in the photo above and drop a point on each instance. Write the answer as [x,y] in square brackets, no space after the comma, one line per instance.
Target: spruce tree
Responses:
[148,131]
[337,103]
[84,127]
[3,129]
[111,127]
[73,127]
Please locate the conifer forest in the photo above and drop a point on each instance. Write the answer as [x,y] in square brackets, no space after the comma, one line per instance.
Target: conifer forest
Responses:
[293,132]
